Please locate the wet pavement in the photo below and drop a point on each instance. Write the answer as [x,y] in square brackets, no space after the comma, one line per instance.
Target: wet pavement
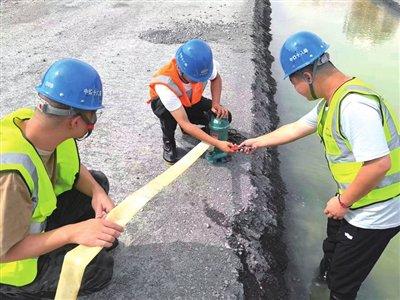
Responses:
[213,233]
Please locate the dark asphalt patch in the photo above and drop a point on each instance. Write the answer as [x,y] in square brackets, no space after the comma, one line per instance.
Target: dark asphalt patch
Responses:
[120,4]
[214,215]
[181,32]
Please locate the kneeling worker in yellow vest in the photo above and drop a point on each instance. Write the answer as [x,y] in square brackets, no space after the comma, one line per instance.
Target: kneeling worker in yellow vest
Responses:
[176,97]
[360,134]
[49,201]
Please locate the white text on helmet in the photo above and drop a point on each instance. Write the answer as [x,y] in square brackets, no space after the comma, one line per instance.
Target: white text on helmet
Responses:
[92,92]
[298,54]
[49,84]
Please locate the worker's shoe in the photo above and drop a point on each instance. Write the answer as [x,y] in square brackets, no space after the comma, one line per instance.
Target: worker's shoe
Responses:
[324,266]
[170,154]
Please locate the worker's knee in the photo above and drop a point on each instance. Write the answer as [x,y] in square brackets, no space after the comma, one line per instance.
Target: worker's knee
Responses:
[101,179]
[98,273]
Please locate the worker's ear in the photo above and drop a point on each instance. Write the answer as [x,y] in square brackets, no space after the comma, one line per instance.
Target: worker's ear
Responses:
[307,76]
[73,122]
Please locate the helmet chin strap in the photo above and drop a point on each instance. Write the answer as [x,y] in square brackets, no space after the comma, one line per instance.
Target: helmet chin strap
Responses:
[182,77]
[312,91]
[319,62]
[310,85]
[86,135]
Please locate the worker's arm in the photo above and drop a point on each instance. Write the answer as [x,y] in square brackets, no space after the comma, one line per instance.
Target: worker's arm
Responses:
[86,184]
[283,135]
[183,121]
[16,241]
[369,176]
[216,90]
[93,232]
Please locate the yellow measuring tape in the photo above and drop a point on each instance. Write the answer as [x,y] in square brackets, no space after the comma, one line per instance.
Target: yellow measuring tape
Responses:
[76,260]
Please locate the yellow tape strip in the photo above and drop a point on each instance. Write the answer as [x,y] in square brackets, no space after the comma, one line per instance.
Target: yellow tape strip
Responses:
[76,260]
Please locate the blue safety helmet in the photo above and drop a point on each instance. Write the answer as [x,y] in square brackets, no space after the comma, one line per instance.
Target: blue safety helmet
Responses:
[300,50]
[73,83]
[195,60]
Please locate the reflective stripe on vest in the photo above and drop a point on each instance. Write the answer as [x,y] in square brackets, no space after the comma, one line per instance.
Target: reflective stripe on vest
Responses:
[18,154]
[166,80]
[168,75]
[23,159]
[341,160]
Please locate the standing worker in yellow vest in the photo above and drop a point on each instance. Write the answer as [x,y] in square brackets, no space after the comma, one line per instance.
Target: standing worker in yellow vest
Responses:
[49,201]
[360,134]
[176,96]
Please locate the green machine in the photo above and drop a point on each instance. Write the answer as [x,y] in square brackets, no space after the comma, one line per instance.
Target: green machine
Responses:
[219,130]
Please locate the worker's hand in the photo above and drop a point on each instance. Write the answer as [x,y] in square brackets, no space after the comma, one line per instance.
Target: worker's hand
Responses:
[248,146]
[334,210]
[101,203]
[219,110]
[94,233]
[227,147]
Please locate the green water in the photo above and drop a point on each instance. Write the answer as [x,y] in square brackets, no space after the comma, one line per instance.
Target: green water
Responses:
[364,41]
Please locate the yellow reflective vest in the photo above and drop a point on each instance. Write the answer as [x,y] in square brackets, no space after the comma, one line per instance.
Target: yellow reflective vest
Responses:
[18,154]
[338,151]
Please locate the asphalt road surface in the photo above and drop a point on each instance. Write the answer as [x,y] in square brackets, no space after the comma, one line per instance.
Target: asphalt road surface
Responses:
[209,234]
